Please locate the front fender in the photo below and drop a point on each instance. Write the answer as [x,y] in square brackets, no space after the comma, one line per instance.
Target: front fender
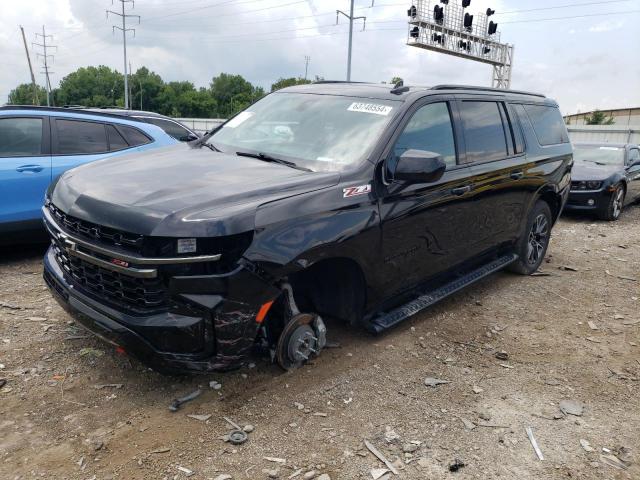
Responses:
[293,234]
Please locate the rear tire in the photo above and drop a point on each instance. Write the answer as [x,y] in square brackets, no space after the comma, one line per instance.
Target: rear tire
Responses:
[616,203]
[532,246]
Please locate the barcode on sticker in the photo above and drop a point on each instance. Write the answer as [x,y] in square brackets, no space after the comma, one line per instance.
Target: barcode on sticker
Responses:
[187,245]
[370,108]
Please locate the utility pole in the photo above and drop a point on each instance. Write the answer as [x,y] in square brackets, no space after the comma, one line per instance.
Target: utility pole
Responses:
[130,96]
[36,100]
[351,19]
[124,30]
[307,59]
[45,56]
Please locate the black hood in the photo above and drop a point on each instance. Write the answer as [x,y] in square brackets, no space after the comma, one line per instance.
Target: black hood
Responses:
[592,171]
[180,191]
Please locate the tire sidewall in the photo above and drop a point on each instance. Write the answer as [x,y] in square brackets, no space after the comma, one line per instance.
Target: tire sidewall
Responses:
[521,265]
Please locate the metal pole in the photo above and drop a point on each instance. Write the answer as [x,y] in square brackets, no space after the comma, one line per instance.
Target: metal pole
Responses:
[124,43]
[306,65]
[36,100]
[350,42]
[46,67]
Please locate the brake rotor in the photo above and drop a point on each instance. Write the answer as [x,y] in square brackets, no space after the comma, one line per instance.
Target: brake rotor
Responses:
[301,339]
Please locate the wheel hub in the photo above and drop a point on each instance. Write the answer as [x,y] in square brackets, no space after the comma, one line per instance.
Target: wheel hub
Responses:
[302,338]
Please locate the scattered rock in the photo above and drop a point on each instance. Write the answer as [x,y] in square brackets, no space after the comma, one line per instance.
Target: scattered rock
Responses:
[248,428]
[223,476]
[571,407]
[215,385]
[477,389]
[298,405]
[568,268]
[271,473]
[185,470]
[324,476]
[456,465]
[592,325]
[92,352]
[502,355]
[468,424]
[484,415]
[310,475]
[586,446]
[434,382]
[410,447]
[390,435]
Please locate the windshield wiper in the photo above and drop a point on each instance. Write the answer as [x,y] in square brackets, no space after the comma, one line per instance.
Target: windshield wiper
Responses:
[268,158]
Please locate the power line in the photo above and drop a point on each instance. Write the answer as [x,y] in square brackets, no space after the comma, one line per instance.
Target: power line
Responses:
[572,16]
[124,30]
[45,60]
[570,5]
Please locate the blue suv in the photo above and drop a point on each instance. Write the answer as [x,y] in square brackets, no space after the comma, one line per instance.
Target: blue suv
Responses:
[38,144]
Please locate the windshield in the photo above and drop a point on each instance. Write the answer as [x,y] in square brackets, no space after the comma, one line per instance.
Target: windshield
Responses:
[599,154]
[318,132]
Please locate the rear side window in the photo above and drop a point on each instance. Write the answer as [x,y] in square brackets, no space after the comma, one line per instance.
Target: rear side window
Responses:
[116,141]
[20,137]
[483,131]
[176,131]
[133,136]
[78,137]
[548,124]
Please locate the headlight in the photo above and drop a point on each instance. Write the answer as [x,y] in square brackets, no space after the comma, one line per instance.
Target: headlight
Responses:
[593,185]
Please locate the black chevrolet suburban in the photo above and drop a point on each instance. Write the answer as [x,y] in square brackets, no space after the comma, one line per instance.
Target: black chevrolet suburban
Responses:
[363,203]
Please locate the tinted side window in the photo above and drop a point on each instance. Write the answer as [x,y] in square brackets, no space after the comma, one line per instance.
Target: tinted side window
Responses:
[429,129]
[76,137]
[483,131]
[548,124]
[20,137]
[116,142]
[133,136]
[176,131]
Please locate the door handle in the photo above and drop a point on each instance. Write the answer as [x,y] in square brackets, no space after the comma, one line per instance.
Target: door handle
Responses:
[29,168]
[461,190]
[516,175]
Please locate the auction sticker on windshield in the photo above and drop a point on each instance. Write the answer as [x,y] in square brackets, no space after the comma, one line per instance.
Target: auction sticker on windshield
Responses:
[370,108]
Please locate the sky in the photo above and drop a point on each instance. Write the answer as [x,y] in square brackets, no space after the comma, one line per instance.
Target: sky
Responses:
[586,58]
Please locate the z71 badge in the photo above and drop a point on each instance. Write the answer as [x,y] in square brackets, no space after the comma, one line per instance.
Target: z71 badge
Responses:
[355,191]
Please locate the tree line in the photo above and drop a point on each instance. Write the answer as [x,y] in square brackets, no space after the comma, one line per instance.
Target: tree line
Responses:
[101,86]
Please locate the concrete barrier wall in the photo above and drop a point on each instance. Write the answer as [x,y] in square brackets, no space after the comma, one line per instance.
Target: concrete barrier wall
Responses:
[604,133]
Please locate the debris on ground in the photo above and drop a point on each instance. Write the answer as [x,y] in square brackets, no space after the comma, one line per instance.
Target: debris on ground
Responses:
[223,476]
[185,470]
[434,382]
[456,465]
[177,403]
[202,418]
[571,407]
[476,389]
[502,355]
[586,446]
[381,457]
[91,352]
[377,473]
[275,459]
[534,443]
[215,385]
[468,424]
[109,385]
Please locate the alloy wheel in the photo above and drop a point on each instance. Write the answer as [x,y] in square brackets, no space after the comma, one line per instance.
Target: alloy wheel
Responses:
[538,236]
[617,202]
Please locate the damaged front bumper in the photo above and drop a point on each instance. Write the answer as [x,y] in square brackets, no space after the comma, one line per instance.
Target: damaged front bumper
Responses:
[209,325]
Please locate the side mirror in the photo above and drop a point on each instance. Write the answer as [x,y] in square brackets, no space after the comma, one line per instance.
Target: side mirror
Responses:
[419,166]
[188,138]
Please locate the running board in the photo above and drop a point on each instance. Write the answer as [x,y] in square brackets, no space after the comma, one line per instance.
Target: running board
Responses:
[395,316]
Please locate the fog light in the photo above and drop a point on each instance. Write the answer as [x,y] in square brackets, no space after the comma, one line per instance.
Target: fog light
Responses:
[591,202]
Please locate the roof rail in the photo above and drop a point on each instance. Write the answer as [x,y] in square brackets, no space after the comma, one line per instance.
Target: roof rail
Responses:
[75,109]
[485,89]
[333,81]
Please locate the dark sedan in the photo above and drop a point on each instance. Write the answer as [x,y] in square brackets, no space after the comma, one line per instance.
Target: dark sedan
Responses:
[605,178]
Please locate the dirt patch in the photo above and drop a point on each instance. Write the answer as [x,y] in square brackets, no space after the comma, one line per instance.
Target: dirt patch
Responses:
[573,334]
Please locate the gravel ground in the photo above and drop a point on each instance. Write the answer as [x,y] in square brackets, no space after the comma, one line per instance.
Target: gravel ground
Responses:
[572,334]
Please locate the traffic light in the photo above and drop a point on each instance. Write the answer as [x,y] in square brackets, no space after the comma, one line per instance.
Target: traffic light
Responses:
[493,28]
[438,38]
[444,2]
[462,45]
[486,50]
[412,12]
[468,21]
[415,32]
[438,14]
[466,3]
[490,12]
